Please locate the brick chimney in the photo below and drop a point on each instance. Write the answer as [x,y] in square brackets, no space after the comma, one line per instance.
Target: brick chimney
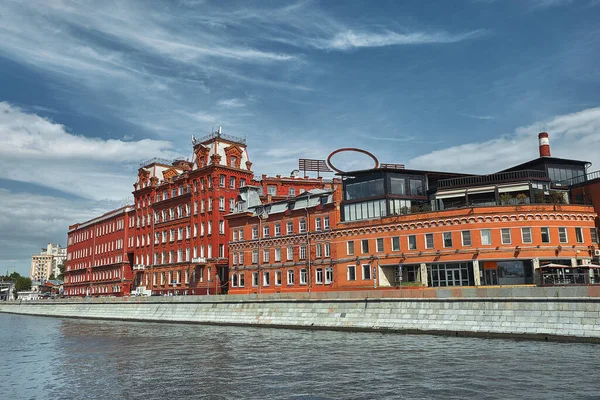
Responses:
[544,144]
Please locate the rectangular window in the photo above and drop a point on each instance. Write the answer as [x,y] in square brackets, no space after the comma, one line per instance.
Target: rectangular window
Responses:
[326,223]
[302,252]
[379,245]
[579,235]
[562,235]
[277,230]
[327,249]
[266,231]
[272,190]
[278,278]
[222,180]
[364,246]
[302,225]
[447,239]
[506,237]
[328,275]
[290,253]
[319,276]
[232,182]
[486,237]
[318,250]
[317,224]
[241,282]
[366,272]
[351,272]
[303,276]
[254,256]
[255,232]
[221,203]
[266,257]
[292,192]
[290,276]
[231,205]
[277,255]
[594,235]
[255,279]
[412,242]
[429,240]
[545,233]
[290,228]
[350,248]
[396,243]
[466,238]
[266,278]
[526,235]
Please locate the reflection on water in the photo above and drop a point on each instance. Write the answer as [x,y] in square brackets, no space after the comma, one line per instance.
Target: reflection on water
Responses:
[46,358]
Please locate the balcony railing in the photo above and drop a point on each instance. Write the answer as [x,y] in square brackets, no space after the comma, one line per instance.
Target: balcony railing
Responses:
[217,134]
[579,179]
[573,278]
[493,178]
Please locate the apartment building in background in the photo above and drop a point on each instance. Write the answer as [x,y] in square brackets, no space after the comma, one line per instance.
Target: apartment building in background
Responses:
[46,264]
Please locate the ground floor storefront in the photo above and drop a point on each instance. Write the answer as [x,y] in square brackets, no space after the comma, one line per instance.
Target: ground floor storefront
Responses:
[181,280]
[471,272]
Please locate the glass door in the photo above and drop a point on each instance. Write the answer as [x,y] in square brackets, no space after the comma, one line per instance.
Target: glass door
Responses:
[491,276]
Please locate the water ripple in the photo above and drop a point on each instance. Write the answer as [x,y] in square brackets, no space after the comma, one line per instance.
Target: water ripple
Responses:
[45,358]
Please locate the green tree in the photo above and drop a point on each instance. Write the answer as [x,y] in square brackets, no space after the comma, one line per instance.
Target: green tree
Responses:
[22,283]
[61,267]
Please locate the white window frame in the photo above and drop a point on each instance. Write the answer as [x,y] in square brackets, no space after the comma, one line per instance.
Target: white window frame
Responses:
[348,269]
[368,275]
[489,237]
[502,232]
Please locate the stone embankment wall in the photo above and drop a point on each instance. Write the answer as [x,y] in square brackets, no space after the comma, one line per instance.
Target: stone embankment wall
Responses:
[541,313]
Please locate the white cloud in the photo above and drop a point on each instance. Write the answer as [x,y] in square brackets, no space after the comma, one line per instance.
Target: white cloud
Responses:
[231,103]
[350,39]
[37,150]
[575,136]
[41,220]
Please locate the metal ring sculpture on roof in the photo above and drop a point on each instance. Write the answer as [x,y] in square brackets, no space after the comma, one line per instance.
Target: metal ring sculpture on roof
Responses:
[354,149]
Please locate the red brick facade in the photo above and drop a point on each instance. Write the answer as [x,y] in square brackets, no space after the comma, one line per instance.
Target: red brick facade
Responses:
[208,226]
[100,255]
[284,246]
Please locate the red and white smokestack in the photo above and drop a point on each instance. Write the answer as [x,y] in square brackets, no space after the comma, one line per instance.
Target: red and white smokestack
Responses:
[544,144]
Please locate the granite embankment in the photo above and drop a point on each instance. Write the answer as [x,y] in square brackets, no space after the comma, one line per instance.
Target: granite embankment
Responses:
[561,313]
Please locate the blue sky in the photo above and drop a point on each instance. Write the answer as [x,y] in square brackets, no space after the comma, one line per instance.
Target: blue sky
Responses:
[89,89]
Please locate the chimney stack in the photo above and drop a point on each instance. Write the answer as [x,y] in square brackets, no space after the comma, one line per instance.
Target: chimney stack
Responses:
[544,144]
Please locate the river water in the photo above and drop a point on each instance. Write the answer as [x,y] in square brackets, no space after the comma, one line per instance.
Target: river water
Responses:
[52,358]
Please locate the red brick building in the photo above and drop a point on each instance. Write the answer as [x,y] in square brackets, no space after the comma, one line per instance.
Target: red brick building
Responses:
[100,255]
[425,228]
[208,226]
[284,245]
[181,241]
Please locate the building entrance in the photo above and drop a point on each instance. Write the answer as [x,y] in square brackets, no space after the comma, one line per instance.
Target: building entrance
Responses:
[451,274]
[490,277]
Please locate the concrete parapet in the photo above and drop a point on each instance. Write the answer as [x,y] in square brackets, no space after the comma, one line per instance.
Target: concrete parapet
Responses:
[559,313]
